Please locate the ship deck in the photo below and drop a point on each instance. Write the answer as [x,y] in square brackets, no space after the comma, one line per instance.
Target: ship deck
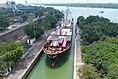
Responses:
[56,49]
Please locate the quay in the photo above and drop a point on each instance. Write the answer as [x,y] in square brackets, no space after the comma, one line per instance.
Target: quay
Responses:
[77,55]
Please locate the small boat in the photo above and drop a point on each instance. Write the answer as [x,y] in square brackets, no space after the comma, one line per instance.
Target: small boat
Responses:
[101,11]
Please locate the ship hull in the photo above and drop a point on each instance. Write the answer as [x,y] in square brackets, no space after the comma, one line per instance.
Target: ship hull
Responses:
[60,57]
[53,56]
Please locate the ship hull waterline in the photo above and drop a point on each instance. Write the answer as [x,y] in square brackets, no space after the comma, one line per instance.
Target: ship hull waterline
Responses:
[56,57]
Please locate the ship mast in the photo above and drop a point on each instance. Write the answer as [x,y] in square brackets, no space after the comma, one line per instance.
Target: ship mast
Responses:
[26,2]
[67,13]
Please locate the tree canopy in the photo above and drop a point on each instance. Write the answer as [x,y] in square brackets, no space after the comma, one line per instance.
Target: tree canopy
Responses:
[99,46]
[34,30]
[93,28]
[89,72]
[52,16]
[3,22]
[102,54]
[24,17]
[10,53]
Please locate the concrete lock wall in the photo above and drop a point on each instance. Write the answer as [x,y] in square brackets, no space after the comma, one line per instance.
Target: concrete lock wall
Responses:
[32,65]
[12,35]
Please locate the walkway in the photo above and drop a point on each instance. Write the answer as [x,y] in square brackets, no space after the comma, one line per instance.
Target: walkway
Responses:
[77,55]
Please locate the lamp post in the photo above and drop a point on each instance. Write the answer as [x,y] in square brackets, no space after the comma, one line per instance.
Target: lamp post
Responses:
[34,31]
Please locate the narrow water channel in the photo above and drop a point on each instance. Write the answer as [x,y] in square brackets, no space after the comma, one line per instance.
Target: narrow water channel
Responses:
[64,67]
[62,70]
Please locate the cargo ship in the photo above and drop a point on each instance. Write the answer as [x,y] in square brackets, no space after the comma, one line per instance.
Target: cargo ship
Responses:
[59,41]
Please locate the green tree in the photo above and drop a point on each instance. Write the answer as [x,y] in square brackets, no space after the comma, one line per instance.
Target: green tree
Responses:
[46,25]
[3,22]
[58,15]
[89,72]
[80,19]
[101,54]
[24,17]
[10,54]
[93,28]
[113,71]
[52,19]
[39,13]
[34,30]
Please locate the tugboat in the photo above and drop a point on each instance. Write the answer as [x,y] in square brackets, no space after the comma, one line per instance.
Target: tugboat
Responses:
[59,41]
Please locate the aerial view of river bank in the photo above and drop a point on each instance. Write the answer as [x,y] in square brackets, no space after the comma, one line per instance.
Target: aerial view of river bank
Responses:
[85,11]
[58,40]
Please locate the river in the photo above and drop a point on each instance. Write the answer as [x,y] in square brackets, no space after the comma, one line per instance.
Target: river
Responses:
[111,14]
[64,69]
